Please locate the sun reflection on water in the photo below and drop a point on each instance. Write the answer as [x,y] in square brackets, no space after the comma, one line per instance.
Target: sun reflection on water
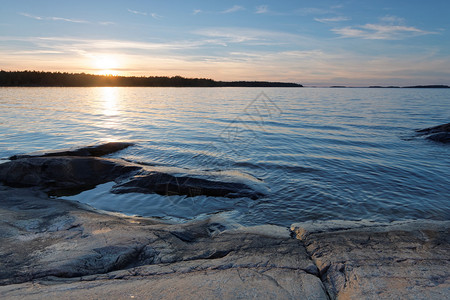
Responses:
[109,97]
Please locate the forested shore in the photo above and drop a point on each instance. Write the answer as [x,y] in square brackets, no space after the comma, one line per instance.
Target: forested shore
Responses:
[63,79]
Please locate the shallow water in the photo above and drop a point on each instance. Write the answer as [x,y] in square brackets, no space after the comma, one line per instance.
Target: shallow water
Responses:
[317,153]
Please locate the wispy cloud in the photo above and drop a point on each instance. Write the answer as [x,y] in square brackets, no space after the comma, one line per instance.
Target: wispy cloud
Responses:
[390,28]
[380,32]
[197,11]
[53,18]
[393,19]
[106,23]
[156,16]
[227,36]
[136,12]
[233,9]
[143,13]
[31,16]
[332,19]
[262,9]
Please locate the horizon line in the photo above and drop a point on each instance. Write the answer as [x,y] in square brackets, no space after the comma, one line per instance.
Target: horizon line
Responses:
[227,81]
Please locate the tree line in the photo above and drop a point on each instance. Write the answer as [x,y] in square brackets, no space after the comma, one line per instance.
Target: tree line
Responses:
[64,79]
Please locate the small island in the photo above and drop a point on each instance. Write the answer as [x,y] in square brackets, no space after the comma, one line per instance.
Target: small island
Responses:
[59,79]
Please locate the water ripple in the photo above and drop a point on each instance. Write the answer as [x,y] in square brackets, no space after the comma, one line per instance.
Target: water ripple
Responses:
[319,153]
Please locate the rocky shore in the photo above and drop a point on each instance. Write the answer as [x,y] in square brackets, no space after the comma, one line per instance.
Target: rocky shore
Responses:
[53,248]
[58,249]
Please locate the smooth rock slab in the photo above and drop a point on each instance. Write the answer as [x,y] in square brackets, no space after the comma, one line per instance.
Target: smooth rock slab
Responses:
[209,284]
[59,249]
[404,260]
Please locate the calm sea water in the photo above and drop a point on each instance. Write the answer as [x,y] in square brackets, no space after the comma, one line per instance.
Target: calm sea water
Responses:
[317,153]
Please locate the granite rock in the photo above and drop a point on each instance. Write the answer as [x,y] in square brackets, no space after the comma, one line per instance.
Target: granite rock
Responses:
[359,260]
[61,249]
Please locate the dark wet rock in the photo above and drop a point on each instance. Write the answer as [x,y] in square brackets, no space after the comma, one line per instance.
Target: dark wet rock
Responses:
[443,137]
[364,260]
[167,184]
[439,133]
[94,150]
[63,175]
[435,129]
[68,175]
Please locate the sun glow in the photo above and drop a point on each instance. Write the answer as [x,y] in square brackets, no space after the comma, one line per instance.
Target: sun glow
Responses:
[106,65]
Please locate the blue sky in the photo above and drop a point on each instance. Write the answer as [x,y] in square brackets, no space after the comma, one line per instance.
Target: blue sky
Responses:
[309,42]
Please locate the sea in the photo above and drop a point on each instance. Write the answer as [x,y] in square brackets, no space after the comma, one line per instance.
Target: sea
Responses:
[315,153]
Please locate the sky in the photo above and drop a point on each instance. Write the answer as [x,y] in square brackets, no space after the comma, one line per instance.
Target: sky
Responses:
[314,43]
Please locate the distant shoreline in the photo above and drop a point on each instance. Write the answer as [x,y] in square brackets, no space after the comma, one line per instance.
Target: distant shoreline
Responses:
[58,79]
[64,79]
[431,86]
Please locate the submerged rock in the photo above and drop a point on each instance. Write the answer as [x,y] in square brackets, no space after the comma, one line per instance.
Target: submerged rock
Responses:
[439,133]
[167,184]
[73,171]
[443,137]
[94,150]
[435,129]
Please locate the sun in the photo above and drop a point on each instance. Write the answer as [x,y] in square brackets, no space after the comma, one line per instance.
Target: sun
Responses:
[106,65]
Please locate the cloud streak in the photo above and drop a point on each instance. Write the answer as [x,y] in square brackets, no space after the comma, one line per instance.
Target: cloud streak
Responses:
[54,18]
[390,28]
[143,13]
[331,20]
[156,16]
[380,32]
[227,36]
[136,12]
[233,9]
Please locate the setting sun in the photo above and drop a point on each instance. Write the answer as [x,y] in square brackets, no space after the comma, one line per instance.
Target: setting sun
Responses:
[106,65]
